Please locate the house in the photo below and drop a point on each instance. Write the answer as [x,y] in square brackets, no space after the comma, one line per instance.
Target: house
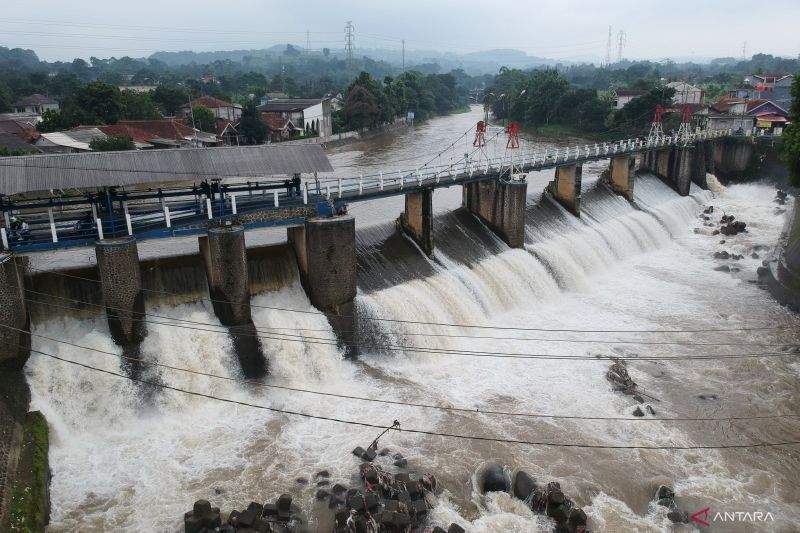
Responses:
[686,93]
[21,128]
[280,128]
[68,142]
[160,133]
[220,108]
[314,114]
[13,143]
[228,131]
[622,97]
[35,104]
[171,132]
[775,87]
[757,115]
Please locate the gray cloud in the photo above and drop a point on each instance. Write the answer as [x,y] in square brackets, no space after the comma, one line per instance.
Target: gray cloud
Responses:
[563,29]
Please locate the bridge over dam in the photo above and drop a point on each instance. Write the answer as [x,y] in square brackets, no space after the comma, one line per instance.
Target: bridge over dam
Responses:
[112,201]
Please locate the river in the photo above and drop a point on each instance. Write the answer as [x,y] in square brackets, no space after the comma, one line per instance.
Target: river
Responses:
[125,460]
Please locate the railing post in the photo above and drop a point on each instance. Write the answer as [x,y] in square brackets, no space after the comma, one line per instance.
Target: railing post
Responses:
[128,223]
[401,179]
[167,219]
[305,193]
[233,204]
[327,191]
[339,185]
[4,238]
[52,224]
[275,198]
[381,173]
[208,209]
[99,228]
[361,184]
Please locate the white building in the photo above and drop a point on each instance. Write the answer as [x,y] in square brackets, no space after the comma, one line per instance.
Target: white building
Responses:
[35,104]
[686,93]
[314,114]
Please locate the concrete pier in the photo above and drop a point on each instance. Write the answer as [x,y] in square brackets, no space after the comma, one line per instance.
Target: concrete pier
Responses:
[121,283]
[500,205]
[417,219]
[326,257]
[14,344]
[225,257]
[680,169]
[698,172]
[566,187]
[622,175]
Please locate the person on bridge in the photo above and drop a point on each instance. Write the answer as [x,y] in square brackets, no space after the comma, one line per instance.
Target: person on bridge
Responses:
[85,224]
[288,185]
[296,182]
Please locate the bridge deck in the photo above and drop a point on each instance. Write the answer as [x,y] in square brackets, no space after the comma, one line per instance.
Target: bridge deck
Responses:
[168,212]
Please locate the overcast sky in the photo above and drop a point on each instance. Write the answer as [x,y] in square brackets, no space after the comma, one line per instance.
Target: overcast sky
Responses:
[560,29]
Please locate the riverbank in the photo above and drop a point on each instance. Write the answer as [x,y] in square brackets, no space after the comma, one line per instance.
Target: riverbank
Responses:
[24,467]
[781,273]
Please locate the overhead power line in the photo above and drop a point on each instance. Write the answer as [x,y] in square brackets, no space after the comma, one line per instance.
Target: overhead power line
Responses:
[473,410]
[458,352]
[412,430]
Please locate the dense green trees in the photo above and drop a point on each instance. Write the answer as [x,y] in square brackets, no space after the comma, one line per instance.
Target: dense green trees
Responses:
[203,119]
[791,137]
[251,127]
[368,102]
[170,98]
[138,106]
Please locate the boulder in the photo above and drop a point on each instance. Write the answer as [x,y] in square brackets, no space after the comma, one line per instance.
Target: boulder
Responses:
[401,463]
[523,484]
[665,496]
[492,478]
[638,412]
[322,473]
[678,517]
[455,528]
[322,494]
[721,255]
[202,516]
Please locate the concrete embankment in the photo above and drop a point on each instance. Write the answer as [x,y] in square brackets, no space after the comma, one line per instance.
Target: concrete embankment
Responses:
[781,274]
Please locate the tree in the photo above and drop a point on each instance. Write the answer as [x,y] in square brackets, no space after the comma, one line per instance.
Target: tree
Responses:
[138,106]
[170,98]
[56,121]
[112,144]
[97,102]
[251,126]
[203,119]
[791,137]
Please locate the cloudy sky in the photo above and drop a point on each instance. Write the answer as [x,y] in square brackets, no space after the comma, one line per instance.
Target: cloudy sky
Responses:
[560,29]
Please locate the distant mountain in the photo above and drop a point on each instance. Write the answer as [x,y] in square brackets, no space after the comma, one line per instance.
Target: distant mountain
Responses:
[474,63]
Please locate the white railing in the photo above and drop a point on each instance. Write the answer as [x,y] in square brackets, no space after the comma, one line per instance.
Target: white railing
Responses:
[482,165]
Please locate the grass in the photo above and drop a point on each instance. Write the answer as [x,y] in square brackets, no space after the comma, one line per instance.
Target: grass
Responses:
[29,498]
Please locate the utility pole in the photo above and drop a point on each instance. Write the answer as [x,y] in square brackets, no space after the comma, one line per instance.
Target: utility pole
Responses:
[404,55]
[620,44]
[349,39]
[608,48]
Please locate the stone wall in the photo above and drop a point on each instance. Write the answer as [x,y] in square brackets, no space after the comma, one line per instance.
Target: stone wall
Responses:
[781,272]
[14,345]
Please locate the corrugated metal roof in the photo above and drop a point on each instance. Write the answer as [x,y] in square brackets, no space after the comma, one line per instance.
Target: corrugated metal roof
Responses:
[105,169]
[78,139]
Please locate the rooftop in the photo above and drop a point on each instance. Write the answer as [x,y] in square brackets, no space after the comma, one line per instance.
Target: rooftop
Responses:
[34,99]
[288,104]
[106,169]
[211,102]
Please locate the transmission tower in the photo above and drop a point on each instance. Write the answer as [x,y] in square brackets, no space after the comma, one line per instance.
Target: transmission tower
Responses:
[657,127]
[349,39]
[620,44]
[744,51]
[608,48]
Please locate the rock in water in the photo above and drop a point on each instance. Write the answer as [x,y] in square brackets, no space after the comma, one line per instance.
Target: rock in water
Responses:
[523,484]
[492,478]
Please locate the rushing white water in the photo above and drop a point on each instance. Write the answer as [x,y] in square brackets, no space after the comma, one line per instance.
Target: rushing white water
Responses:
[128,457]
